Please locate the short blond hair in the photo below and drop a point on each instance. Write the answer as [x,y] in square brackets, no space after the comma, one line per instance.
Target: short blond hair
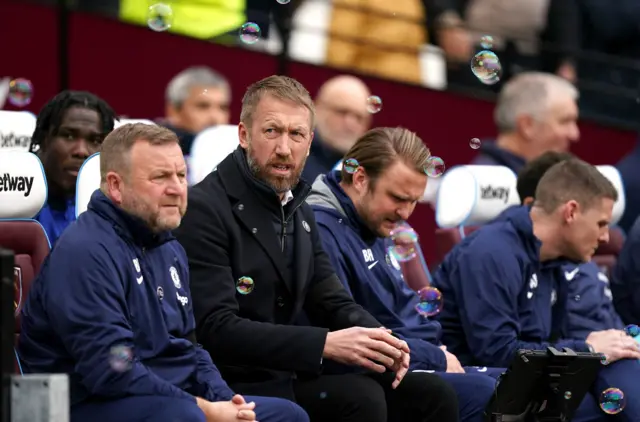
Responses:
[116,147]
[281,87]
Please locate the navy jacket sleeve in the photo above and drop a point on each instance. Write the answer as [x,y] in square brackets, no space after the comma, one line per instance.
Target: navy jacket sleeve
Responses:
[424,355]
[486,288]
[209,376]
[88,312]
[625,281]
[328,300]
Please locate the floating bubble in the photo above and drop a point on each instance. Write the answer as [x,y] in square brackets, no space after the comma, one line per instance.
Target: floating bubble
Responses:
[430,302]
[435,167]
[604,360]
[612,401]
[374,104]
[486,66]
[632,330]
[121,358]
[250,33]
[20,92]
[244,285]
[323,395]
[351,165]
[567,395]
[160,17]
[283,1]
[474,143]
[486,42]
[404,240]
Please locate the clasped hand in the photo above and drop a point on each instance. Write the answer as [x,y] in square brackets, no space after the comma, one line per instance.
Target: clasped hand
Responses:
[372,348]
[237,409]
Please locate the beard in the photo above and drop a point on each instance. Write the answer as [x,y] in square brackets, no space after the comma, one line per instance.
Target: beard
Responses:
[280,184]
[135,205]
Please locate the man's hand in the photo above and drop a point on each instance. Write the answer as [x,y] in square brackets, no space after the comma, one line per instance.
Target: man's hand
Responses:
[371,348]
[614,345]
[228,411]
[453,364]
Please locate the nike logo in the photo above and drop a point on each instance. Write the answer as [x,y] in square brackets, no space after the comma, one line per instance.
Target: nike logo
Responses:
[570,275]
[483,369]
[139,279]
[373,265]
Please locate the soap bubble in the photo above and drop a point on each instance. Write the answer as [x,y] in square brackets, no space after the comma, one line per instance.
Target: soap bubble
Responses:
[567,395]
[244,285]
[486,66]
[474,143]
[249,33]
[430,302]
[404,240]
[20,92]
[121,358]
[612,401]
[604,360]
[374,104]
[632,330]
[283,1]
[351,165]
[486,42]
[435,167]
[160,17]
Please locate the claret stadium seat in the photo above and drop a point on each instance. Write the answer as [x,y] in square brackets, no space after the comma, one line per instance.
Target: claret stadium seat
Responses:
[87,183]
[16,128]
[23,193]
[210,147]
[469,196]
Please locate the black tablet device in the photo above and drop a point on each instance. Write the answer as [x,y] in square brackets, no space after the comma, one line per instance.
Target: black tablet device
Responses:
[543,385]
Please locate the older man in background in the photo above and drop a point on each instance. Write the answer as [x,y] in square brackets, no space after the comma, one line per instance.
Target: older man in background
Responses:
[195,99]
[342,117]
[536,112]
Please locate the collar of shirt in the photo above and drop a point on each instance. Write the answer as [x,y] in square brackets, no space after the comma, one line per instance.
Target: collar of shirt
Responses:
[288,197]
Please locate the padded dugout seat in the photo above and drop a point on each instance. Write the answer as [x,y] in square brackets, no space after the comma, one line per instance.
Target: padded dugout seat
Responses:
[16,128]
[23,193]
[209,148]
[88,181]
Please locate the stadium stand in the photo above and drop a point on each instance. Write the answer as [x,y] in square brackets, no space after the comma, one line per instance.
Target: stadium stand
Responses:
[23,192]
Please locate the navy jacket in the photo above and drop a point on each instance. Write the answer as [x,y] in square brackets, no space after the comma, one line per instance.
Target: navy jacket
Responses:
[498,297]
[110,282]
[370,275]
[628,168]
[625,280]
[492,155]
[322,158]
[55,221]
[590,302]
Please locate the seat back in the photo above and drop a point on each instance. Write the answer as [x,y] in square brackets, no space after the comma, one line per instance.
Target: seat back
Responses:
[88,182]
[16,128]
[607,254]
[23,193]
[469,196]
[209,148]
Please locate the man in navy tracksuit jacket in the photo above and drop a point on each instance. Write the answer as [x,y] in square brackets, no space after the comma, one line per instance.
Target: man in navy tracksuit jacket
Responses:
[112,309]
[505,291]
[589,306]
[360,259]
[625,282]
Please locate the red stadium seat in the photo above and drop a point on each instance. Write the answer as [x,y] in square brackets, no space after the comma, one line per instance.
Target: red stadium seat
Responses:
[23,192]
[469,196]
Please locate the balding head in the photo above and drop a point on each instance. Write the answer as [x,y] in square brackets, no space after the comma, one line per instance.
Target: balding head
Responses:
[342,116]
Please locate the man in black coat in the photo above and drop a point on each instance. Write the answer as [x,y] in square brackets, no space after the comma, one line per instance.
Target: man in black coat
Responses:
[268,305]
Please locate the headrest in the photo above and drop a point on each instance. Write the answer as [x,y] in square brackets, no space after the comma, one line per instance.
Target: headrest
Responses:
[209,148]
[87,183]
[472,195]
[126,121]
[23,185]
[16,128]
[614,177]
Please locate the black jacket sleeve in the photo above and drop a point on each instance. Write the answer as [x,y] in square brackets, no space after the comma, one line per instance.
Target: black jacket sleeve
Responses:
[229,338]
[327,300]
